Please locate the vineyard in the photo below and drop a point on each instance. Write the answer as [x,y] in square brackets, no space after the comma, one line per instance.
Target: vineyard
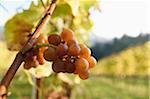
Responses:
[130,62]
[47,53]
[103,86]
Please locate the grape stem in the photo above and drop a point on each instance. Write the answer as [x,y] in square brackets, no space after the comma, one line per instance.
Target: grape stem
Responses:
[29,45]
[44,45]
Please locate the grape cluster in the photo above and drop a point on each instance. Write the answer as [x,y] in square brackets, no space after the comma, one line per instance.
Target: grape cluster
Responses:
[35,56]
[68,56]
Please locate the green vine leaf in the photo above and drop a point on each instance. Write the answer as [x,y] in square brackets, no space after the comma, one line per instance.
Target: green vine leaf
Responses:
[87,4]
[74,4]
[62,10]
[18,28]
[42,70]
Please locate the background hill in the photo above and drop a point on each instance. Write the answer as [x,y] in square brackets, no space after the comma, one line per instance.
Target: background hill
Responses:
[103,49]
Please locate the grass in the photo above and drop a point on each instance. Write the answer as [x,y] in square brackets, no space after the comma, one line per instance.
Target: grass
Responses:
[20,89]
[93,88]
[114,88]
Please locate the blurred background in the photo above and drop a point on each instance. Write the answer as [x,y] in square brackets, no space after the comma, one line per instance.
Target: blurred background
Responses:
[117,32]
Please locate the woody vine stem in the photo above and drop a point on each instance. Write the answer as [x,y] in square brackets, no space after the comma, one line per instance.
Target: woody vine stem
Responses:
[21,54]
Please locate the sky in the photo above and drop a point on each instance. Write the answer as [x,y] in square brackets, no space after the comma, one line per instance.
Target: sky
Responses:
[117,17]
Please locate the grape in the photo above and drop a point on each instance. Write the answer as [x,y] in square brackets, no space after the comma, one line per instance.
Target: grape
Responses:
[40,58]
[67,35]
[70,67]
[30,62]
[41,39]
[62,49]
[39,51]
[82,46]
[74,50]
[81,65]
[40,54]
[75,72]
[58,66]
[54,39]
[92,61]
[29,57]
[26,65]
[84,75]
[50,54]
[85,52]
[31,53]
[71,42]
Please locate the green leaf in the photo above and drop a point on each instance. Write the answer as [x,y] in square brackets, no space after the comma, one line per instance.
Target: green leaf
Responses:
[87,4]
[20,26]
[42,70]
[74,4]
[16,32]
[62,10]
[65,78]
[87,24]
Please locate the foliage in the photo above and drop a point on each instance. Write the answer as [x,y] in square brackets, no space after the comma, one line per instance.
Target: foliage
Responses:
[68,13]
[133,61]
[20,26]
[6,55]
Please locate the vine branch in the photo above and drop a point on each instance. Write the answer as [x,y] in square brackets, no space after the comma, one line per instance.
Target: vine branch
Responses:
[21,54]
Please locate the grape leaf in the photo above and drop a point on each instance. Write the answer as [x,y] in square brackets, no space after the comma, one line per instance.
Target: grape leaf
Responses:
[87,4]
[42,70]
[16,37]
[18,28]
[74,4]
[62,10]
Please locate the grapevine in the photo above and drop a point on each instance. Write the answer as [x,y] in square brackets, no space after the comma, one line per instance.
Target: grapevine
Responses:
[63,50]
[22,53]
